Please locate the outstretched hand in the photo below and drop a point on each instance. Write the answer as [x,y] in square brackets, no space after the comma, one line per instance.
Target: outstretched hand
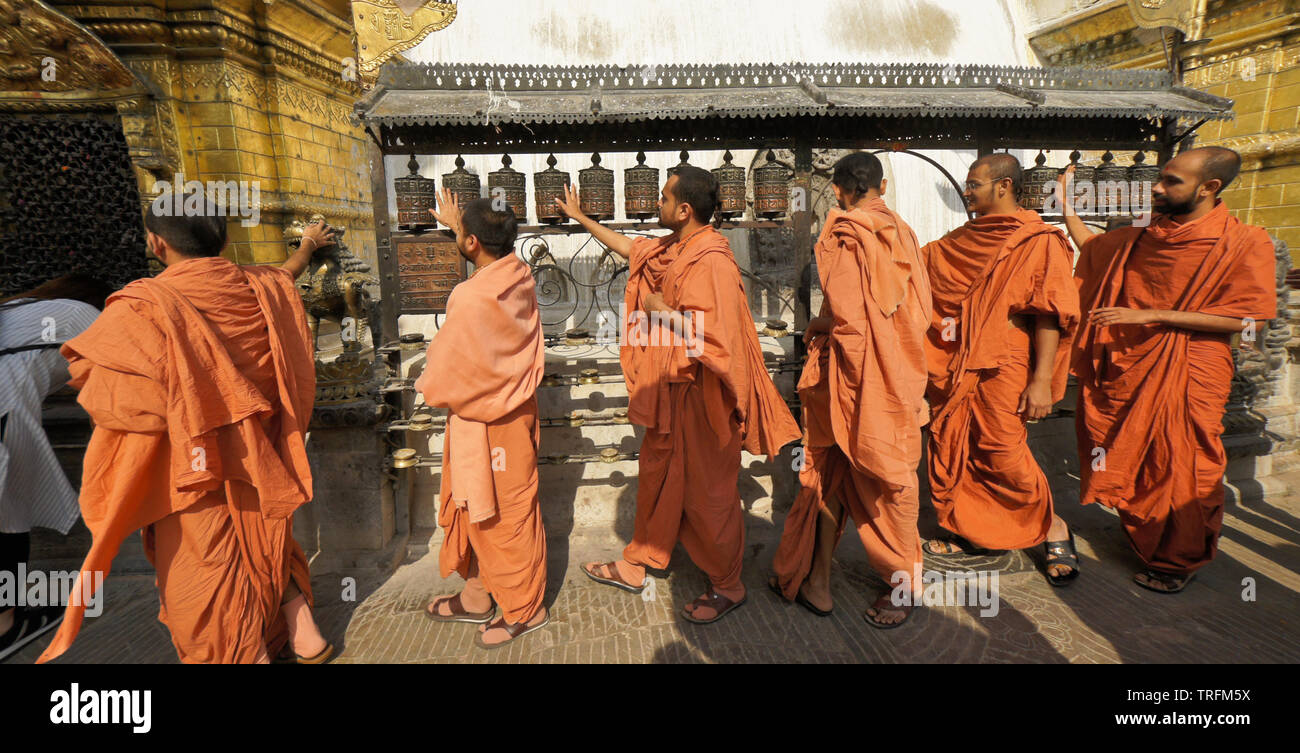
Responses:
[448,211]
[1065,190]
[320,234]
[572,204]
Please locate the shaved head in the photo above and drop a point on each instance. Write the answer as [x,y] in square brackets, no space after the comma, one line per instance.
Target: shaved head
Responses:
[1215,163]
[1000,166]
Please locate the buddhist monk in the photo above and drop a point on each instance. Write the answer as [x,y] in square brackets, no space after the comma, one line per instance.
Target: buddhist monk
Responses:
[696,381]
[483,366]
[1154,362]
[863,396]
[200,383]
[1005,310]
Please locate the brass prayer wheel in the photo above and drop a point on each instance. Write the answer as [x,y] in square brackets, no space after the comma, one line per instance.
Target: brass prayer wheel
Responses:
[1033,191]
[412,341]
[416,195]
[405,458]
[548,185]
[420,422]
[589,376]
[641,190]
[1084,183]
[1142,174]
[771,188]
[511,185]
[577,336]
[462,183]
[1109,178]
[609,455]
[731,188]
[775,328]
[596,190]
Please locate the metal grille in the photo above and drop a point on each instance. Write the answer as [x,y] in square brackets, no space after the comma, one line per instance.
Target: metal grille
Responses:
[68,201]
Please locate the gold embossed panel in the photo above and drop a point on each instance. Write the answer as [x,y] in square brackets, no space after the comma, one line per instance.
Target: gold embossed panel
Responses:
[427,270]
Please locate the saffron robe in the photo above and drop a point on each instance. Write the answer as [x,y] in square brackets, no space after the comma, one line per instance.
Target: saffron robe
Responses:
[701,399]
[483,366]
[1151,397]
[863,395]
[984,481]
[200,383]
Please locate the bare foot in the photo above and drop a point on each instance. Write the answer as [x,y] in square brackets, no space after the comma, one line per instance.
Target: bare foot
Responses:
[885,612]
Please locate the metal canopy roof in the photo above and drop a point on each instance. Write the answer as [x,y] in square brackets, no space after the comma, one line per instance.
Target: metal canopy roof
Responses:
[470,95]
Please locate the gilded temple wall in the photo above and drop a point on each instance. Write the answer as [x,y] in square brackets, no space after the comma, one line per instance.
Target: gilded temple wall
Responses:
[1250,53]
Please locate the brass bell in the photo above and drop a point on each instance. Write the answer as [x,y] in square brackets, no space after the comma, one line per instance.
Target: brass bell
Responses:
[405,458]
[462,183]
[416,195]
[641,190]
[596,190]
[548,185]
[731,188]
[511,185]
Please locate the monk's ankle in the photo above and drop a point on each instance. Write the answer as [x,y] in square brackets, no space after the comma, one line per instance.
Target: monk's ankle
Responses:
[633,575]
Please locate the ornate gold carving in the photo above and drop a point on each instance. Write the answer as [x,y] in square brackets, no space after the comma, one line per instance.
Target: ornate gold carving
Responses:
[1188,16]
[386,27]
[45,53]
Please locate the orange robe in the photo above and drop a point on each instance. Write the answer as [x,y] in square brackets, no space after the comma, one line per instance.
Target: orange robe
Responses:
[701,400]
[483,366]
[863,395]
[1151,397]
[200,383]
[984,481]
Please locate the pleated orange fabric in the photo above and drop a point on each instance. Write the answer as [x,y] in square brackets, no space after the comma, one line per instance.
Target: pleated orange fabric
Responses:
[200,383]
[1151,397]
[483,366]
[862,391]
[984,481]
[701,398]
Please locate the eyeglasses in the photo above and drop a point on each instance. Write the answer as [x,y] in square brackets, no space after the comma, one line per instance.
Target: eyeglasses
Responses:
[972,185]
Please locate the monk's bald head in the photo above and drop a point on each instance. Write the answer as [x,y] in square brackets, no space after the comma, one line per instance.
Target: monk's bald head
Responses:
[993,185]
[1213,163]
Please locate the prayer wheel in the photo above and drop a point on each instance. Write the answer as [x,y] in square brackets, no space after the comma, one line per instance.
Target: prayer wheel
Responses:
[1084,183]
[511,185]
[641,190]
[462,183]
[771,189]
[548,185]
[683,155]
[596,190]
[1112,189]
[1142,176]
[1034,186]
[731,188]
[416,195]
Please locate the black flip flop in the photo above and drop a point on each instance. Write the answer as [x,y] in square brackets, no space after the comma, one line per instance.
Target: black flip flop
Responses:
[799,599]
[1057,554]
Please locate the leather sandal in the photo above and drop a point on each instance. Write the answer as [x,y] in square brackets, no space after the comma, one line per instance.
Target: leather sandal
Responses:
[799,598]
[1061,553]
[615,579]
[1172,583]
[458,613]
[287,656]
[515,629]
[884,602]
[720,605]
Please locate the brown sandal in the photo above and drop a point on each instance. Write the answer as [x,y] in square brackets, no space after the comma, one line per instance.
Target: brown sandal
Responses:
[715,601]
[458,613]
[614,580]
[288,656]
[515,629]
[885,602]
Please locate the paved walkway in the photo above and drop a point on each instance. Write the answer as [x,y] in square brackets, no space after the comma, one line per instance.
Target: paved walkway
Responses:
[1102,617]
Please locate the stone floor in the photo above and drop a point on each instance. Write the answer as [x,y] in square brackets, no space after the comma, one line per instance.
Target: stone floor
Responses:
[1102,617]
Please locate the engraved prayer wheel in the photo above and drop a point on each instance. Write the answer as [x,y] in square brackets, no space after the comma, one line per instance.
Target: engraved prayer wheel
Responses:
[641,190]
[683,155]
[1112,191]
[1142,174]
[596,190]
[462,183]
[416,195]
[771,188]
[548,185]
[1034,185]
[1084,183]
[731,188]
[511,185]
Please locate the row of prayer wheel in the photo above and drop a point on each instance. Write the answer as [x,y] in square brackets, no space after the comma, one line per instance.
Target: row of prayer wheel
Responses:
[416,194]
[1091,179]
